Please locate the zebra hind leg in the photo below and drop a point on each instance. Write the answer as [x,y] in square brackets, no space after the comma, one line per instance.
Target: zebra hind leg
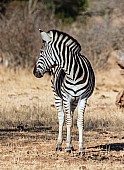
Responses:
[69,107]
[69,146]
[73,106]
[80,123]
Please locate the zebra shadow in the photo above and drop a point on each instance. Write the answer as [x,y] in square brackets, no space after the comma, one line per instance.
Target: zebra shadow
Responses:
[15,133]
[109,147]
[30,129]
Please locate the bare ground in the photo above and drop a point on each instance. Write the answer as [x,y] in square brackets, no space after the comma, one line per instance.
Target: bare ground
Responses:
[36,150]
[28,125]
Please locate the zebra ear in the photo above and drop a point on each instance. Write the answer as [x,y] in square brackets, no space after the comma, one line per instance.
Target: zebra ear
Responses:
[44,36]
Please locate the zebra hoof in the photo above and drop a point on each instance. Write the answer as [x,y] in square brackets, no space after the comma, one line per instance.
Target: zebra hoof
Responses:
[58,148]
[69,149]
[72,148]
[81,153]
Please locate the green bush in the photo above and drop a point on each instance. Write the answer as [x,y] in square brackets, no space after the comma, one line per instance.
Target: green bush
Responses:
[67,9]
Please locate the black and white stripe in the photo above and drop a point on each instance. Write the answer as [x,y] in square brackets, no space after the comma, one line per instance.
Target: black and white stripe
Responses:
[73,80]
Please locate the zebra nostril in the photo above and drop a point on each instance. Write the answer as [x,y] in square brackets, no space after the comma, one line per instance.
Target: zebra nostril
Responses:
[38,74]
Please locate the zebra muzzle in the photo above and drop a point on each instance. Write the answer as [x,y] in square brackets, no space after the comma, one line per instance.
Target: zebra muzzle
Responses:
[38,74]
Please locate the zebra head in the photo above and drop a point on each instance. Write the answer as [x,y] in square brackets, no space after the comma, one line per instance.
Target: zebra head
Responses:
[46,59]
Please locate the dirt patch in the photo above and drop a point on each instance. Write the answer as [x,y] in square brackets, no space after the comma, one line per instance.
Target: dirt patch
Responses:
[33,150]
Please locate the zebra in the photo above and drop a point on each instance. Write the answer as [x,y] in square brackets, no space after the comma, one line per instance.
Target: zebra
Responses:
[73,81]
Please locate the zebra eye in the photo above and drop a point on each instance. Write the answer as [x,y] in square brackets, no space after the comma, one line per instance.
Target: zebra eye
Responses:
[43,41]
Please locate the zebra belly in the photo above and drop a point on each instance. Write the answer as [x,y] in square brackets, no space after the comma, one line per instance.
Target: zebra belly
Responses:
[79,90]
[75,93]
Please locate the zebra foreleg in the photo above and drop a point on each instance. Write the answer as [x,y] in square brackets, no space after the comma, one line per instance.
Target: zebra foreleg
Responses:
[80,123]
[61,122]
[59,106]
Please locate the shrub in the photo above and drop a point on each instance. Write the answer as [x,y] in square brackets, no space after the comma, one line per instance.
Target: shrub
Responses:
[67,10]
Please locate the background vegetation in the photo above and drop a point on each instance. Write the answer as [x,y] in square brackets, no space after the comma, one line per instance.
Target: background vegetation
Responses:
[97,25]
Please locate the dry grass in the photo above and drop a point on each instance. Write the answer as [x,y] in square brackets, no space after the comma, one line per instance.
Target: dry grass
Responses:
[30,102]
[25,99]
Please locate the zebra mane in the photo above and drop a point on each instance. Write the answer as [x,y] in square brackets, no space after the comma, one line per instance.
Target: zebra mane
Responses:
[66,35]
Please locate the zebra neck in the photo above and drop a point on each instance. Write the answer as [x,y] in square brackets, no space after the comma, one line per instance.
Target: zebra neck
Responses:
[71,65]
